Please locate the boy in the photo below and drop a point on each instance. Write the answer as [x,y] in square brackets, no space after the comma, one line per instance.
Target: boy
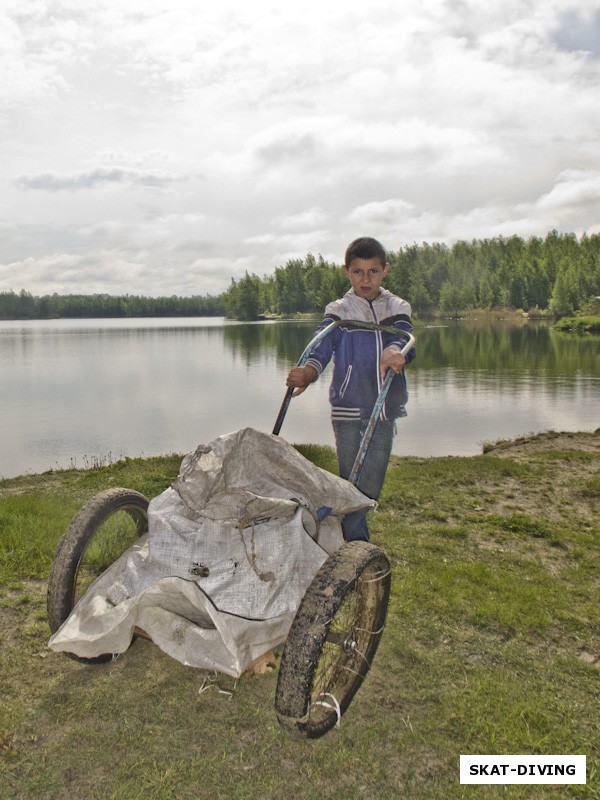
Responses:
[361,360]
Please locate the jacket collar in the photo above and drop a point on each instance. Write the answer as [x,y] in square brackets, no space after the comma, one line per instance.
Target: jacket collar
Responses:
[383,293]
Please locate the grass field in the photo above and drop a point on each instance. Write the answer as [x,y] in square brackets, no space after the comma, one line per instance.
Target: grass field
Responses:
[492,646]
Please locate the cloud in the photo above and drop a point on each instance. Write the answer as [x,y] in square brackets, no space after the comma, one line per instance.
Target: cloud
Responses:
[310,218]
[116,272]
[38,43]
[381,215]
[299,242]
[127,158]
[177,144]
[331,150]
[72,273]
[99,176]
[571,204]
[573,189]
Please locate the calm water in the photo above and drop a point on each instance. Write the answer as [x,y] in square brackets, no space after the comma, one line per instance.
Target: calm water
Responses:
[79,390]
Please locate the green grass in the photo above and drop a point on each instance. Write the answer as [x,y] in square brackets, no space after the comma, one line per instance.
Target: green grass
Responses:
[490,646]
[591,487]
[32,521]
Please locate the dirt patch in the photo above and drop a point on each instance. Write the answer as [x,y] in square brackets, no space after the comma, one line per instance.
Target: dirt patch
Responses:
[32,483]
[549,440]
[562,463]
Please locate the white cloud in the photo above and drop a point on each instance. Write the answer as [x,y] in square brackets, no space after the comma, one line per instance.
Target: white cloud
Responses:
[106,271]
[573,189]
[299,242]
[381,214]
[100,176]
[159,145]
[305,219]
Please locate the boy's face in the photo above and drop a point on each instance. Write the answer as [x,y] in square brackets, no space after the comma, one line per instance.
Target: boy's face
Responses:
[365,275]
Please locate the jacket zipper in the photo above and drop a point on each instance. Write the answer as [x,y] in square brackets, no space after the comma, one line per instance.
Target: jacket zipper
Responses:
[379,350]
[344,385]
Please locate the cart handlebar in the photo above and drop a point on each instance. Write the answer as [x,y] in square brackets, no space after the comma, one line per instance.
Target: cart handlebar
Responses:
[351,323]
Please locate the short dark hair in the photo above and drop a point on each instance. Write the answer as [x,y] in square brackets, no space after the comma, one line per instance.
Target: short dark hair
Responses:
[365,247]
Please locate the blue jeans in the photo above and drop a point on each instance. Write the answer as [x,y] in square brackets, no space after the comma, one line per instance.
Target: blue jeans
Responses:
[348,435]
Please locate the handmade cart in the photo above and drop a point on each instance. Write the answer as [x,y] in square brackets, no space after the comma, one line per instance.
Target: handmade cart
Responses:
[243,553]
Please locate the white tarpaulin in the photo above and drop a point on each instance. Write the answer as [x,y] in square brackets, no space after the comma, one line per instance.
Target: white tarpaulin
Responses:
[231,548]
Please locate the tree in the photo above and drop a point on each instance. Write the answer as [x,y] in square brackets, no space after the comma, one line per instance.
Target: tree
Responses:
[450,297]
[26,305]
[486,293]
[420,298]
[290,288]
[242,299]
[565,292]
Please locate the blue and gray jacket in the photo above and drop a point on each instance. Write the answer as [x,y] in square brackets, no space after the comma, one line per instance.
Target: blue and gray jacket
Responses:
[356,355]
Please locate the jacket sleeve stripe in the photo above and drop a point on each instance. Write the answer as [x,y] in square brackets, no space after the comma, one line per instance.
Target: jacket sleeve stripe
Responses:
[396,318]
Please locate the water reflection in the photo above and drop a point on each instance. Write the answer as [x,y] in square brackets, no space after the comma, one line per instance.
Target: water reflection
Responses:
[286,340]
[532,349]
[71,389]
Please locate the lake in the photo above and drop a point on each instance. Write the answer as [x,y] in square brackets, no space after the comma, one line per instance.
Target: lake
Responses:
[75,392]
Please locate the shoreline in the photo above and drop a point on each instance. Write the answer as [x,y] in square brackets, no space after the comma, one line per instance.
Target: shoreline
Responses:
[574,439]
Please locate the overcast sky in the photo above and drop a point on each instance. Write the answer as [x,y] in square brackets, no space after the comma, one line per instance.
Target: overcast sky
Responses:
[165,146]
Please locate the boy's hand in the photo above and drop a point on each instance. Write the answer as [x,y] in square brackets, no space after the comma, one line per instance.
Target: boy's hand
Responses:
[301,378]
[391,358]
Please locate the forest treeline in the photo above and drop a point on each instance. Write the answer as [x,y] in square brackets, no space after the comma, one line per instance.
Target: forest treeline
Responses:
[81,306]
[558,274]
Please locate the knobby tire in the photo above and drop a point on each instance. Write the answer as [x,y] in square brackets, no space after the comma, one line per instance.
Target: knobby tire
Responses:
[98,534]
[333,639]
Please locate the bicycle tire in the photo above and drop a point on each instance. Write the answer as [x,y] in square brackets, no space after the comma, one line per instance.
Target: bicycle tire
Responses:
[97,535]
[333,639]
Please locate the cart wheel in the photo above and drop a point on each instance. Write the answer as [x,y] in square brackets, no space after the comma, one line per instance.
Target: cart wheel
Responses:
[333,639]
[98,534]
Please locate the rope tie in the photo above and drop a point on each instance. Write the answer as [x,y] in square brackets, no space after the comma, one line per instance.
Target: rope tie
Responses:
[335,707]
[380,577]
[371,633]
[243,523]
[211,680]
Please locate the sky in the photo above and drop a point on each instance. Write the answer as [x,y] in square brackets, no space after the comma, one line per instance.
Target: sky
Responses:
[164,147]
